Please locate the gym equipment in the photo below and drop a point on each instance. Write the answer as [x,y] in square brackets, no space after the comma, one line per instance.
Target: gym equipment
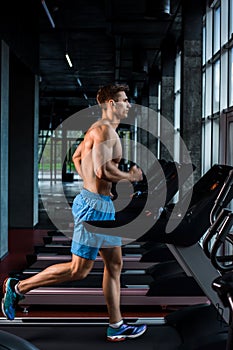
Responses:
[69,334]
[214,241]
[221,222]
[9,341]
[223,285]
[94,278]
[196,220]
[192,328]
[206,190]
[175,331]
[161,186]
[42,260]
[183,241]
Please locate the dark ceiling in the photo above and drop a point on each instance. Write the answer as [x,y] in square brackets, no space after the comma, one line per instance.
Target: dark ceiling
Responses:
[107,41]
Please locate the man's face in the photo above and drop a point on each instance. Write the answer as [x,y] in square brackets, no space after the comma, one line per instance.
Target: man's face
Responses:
[122,105]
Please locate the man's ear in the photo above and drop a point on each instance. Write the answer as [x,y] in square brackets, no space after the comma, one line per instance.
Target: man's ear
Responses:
[112,102]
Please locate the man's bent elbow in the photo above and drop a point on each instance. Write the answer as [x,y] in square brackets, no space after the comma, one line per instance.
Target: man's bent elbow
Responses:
[101,173]
[75,158]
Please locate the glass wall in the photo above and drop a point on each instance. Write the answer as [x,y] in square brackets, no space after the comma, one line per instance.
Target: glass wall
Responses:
[55,154]
[217,76]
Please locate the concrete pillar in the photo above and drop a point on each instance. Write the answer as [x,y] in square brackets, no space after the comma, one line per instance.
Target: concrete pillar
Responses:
[23,153]
[4,115]
[191,84]
[36,151]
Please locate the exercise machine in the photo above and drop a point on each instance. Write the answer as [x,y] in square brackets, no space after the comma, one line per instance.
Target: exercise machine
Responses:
[223,285]
[174,332]
[189,255]
[9,341]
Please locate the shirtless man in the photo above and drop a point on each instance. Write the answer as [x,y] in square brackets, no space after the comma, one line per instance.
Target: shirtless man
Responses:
[96,160]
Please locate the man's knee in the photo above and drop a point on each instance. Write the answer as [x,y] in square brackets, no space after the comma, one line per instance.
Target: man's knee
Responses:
[79,270]
[78,274]
[114,267]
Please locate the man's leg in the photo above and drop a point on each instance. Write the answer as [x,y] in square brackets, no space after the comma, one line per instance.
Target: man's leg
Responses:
[112,258]
[77,268]
[117,330]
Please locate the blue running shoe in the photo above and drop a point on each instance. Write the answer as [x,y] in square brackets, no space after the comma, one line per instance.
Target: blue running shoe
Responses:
[125,332]
[10,298]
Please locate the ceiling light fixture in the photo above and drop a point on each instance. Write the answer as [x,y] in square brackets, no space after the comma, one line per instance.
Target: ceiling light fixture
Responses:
[79,82]
[69,60]
[48,13]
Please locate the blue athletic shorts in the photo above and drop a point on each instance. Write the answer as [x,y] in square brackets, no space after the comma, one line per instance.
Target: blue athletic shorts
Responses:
[89,206]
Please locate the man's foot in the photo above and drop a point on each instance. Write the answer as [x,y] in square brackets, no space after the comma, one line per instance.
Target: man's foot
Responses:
[125,332]
[10,298]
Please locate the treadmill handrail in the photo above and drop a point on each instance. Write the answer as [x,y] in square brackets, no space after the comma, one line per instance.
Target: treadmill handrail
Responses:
[222,200]
[220,239]
[224,287]
[213,231]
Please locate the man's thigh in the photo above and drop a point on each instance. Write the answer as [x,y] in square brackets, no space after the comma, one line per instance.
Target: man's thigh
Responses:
[80,263]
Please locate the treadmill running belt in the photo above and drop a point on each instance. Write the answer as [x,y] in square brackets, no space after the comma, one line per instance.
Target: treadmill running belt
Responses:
[92,337]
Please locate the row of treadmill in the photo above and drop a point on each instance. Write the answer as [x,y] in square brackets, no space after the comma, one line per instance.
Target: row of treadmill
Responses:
[178,254]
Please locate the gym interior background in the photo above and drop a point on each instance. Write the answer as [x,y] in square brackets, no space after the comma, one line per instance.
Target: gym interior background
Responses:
[176,56]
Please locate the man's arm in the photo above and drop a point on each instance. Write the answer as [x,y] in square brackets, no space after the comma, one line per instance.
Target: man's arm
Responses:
[77,159]
[104,152]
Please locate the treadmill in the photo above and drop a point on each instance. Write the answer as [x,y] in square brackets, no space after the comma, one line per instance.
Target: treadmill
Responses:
[219,217]
[190,256]
[199,327]
[223,285]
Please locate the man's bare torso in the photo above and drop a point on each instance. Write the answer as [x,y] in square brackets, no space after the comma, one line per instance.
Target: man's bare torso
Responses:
[100,146]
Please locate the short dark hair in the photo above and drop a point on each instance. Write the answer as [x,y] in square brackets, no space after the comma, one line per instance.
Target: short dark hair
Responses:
[108,92]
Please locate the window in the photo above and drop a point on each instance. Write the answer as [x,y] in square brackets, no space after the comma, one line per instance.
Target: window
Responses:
[204,44]
[216,86]
[230,143]
[230,18]
[231,77]
[217,76]
[216,37]
[56,150]
[203,93]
